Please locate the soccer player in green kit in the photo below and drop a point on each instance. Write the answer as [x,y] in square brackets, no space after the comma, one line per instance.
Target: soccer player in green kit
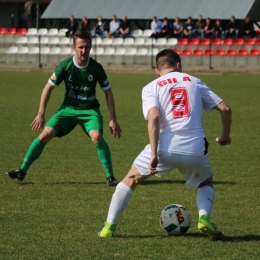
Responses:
[80,74]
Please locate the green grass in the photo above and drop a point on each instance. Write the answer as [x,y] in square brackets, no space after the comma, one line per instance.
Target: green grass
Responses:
[57,211]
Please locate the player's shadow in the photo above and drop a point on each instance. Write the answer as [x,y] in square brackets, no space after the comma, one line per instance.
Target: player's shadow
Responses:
[161,181]
[75,183]
[165,236]
[66,183]
[233,239]
[246,238]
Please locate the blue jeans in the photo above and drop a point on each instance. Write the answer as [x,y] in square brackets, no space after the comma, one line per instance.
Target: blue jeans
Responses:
[98,32]
[201,34]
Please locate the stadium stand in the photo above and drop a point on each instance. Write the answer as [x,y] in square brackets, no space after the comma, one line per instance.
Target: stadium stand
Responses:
[21,31]
[243,52]
[231,52]
[147,33]
[220,52]
[11,31]
[216,42]
[137,33]
[2,30]
[186,52]
[128,42]
[52,32]
[255,52]
[31,32]
[62,32]
[12,50]
[197,52]
[139,42]
[54,40]
[22,40]
[117,41]
[42,31]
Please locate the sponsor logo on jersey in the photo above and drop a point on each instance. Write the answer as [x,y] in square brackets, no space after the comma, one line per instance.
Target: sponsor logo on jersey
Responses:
[90,77]
[78,87]
[53,76]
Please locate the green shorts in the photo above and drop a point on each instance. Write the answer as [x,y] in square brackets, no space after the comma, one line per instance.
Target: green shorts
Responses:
[66,118]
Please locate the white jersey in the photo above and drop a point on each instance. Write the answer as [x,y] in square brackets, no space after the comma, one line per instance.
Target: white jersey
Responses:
[180,99]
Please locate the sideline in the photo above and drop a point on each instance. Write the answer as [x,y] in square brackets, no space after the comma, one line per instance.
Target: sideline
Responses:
[132,69]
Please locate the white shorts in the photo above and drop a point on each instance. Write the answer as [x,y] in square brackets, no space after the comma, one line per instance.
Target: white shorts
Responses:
[195,169]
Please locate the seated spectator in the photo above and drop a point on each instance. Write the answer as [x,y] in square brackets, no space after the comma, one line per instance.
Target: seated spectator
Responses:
[188,28]
[114,27]
[99,28]
[166,28]
[156,27]
[72,26]
[198,31]
[125,27]
[177,28]
[218,29]
[208,29]
[232,30]
[84,25]
[247,28]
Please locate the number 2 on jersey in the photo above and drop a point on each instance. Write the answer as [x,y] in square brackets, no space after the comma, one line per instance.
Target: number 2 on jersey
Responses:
[180,102]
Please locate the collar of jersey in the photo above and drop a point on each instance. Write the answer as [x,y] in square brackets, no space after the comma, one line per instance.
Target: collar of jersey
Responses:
[80,67]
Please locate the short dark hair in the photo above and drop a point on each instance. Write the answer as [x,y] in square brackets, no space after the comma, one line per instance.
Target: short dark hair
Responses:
[82,35]
[167,58]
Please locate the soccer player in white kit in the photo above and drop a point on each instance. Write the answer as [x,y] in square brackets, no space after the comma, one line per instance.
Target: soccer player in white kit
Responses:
[173,106]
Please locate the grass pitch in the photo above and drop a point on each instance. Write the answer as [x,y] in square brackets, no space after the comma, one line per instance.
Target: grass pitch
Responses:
[57,211]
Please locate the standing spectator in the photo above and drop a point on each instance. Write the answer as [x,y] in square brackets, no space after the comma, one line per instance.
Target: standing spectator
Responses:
[84,25]
[177,28]
[156,27]
[72,26]
[166,28]
[232,29]
[218,29]
[188,28]
[247,28]
[199,28]
[209,28]
[100,28]
[30,10]
[114,27]
[125,27]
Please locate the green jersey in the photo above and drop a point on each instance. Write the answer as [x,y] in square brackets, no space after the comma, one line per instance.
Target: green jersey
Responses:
[80,82]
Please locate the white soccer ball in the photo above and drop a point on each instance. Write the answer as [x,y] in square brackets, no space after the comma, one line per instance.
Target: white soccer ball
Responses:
[175,219]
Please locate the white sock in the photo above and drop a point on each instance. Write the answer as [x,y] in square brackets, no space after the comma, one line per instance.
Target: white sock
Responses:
[119,202]
[205,198]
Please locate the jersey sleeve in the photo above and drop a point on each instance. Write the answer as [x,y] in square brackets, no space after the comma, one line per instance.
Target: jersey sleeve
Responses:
[149,99]
[57,76]
[102,78]
[209,98]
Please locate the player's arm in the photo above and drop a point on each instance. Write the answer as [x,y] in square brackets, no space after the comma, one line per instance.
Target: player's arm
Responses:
[113,125]
[226,119]
[39,120]
[153,132]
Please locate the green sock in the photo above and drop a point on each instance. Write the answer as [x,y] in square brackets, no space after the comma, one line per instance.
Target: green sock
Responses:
[33,153]
[105,156]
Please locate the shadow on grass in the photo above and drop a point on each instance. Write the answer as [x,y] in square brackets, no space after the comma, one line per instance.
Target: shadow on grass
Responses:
[147,182]
[161,236]
[246,238]
[161,181]
[65,183]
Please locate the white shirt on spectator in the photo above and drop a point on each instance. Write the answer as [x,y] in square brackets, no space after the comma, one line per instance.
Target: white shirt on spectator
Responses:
[113,26]
[156,26]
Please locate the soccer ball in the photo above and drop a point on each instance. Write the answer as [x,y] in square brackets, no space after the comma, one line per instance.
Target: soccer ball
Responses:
[175,219]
